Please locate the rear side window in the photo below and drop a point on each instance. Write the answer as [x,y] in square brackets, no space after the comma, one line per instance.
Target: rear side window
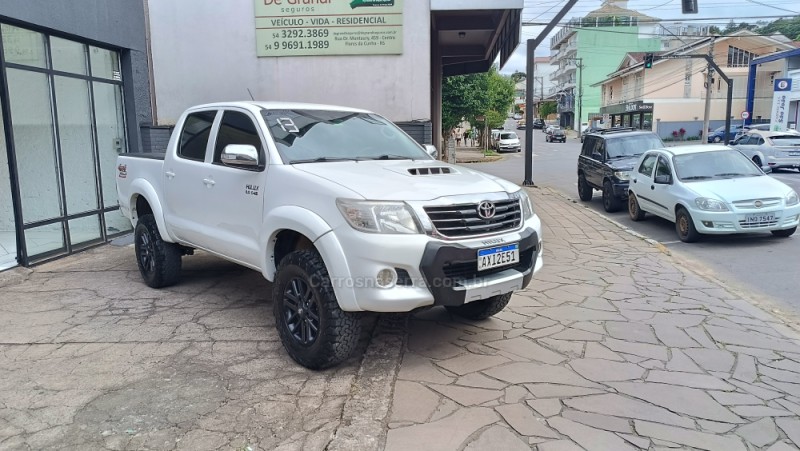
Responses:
[194,136]
[646,168]
[236,128]
[588,146]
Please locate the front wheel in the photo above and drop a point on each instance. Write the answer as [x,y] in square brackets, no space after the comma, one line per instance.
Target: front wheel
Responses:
[481,309]
[784,233]
[634,210]
[314,330]
[610,202]
[684,225]
[159,262]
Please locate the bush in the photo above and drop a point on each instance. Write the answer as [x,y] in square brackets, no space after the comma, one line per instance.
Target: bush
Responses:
[666,140]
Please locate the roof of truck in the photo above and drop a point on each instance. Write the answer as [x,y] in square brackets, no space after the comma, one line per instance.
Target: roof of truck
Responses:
[256,105]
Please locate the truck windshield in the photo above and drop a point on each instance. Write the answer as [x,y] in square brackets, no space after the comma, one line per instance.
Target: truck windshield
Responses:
[305,136]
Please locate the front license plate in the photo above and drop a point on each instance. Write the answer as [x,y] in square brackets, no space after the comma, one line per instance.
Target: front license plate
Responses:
[757,218]
[498,256]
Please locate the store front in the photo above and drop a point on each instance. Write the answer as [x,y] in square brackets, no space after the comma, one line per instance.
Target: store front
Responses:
[636,114]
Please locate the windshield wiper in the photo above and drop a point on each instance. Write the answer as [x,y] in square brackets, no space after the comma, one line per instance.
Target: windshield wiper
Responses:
[323,160]
[387,156]
[730,174]
[696,177]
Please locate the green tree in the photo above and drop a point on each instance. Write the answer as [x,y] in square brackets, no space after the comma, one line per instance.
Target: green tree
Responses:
[733,27]
[464,97]
[546,109]
[518,76]
[789,27]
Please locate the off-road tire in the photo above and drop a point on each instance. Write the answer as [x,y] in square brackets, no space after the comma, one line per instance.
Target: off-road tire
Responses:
[684,226]
[634,210]
[784,233]
[610,202]
[159,262]
[337,331]
[585,191]
[481,309]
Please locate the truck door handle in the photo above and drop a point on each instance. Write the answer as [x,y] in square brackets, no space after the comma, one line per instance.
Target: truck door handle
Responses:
[209,183]
[169,174]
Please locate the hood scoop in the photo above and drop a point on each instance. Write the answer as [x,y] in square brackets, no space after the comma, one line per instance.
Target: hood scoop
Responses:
[431,171]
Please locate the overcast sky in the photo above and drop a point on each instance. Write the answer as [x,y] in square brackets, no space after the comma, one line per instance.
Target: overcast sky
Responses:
[716,12]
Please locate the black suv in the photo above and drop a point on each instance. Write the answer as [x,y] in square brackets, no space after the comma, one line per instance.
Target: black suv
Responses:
[605,162]
[538,123]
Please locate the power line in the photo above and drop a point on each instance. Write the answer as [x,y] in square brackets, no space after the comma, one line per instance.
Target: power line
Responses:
[773,7]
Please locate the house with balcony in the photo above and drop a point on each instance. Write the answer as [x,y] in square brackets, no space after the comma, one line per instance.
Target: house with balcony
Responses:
[670,96]
[588,48]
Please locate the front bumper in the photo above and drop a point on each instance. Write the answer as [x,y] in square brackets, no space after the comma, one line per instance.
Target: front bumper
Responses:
[620,188]
[725,222]
[429,271]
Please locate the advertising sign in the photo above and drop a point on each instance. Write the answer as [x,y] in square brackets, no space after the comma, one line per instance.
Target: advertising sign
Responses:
[329,27]
[780,104]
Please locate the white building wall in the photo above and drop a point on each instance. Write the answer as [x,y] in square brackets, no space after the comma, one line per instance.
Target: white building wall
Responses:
[205,51]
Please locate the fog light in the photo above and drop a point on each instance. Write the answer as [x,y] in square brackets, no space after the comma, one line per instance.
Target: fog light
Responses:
[386,278]
[708,224]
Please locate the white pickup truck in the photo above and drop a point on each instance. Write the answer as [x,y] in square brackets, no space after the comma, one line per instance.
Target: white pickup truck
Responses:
[339,208]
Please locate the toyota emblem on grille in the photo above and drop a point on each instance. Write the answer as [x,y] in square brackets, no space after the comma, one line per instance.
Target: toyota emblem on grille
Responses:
[758,204]
[486,210]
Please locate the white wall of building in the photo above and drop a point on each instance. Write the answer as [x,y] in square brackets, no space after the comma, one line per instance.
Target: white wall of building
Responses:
[205,51]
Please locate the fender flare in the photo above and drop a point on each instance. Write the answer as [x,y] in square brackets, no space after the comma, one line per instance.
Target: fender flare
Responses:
[141,187]
[318,231]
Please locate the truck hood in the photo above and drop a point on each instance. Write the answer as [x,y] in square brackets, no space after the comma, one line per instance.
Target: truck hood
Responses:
[740,188]
[406,179]
[623,164]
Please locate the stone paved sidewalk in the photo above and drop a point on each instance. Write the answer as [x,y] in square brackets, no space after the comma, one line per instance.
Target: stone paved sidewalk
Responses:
[614,346]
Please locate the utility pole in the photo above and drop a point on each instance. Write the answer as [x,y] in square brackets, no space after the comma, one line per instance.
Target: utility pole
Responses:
[580,94]
[709,79]
[541,95]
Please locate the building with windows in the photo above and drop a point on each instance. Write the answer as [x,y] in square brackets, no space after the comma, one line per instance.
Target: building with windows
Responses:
[543,85]
[671,95]
[760,97]
[588,48]
[74,88]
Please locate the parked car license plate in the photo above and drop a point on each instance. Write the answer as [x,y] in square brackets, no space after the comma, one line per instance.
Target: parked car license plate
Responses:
[498,256]
[761,217]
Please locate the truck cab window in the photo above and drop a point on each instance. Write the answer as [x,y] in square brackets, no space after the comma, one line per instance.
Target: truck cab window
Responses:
[236,128]
[194,136]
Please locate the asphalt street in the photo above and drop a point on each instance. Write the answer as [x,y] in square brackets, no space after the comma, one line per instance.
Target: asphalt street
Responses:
[758,262]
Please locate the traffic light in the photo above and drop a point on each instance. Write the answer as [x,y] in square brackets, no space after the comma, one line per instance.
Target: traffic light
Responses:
[689,6]
[648,60]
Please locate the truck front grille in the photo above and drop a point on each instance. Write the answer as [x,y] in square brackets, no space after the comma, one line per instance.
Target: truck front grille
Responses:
[462,220]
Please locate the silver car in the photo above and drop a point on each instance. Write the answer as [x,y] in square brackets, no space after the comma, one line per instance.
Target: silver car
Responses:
[774,149]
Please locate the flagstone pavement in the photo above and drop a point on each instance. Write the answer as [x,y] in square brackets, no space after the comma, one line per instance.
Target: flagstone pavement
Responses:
[615,345]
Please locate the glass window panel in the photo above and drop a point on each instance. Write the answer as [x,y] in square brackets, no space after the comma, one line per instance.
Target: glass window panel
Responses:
[68,56]
[110,136]
[8,240]
[39,240]
[23,46]
[116,223]
[75,136]
[84,230]
[105,63]
[33,140]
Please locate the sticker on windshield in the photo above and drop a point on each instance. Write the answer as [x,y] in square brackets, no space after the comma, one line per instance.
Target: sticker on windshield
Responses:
[287,124]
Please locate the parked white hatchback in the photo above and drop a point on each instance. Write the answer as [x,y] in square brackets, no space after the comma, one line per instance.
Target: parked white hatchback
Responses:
[710,189]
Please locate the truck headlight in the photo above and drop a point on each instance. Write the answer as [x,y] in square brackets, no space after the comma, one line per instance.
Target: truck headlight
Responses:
[622,175]
[379,216]
[527,207]
[791,199]
[708,204]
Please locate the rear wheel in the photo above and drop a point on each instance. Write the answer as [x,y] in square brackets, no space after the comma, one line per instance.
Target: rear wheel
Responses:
[717,139]
[785,233]
[610,202]
[757,161]
[159,262]
[315,331]
[684,225]
[585,191]
[481,309]
[635,212]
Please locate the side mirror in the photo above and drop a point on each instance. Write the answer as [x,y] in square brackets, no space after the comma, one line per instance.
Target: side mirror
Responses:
[663,179]
[239,156]
[432,151]
[766,169]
